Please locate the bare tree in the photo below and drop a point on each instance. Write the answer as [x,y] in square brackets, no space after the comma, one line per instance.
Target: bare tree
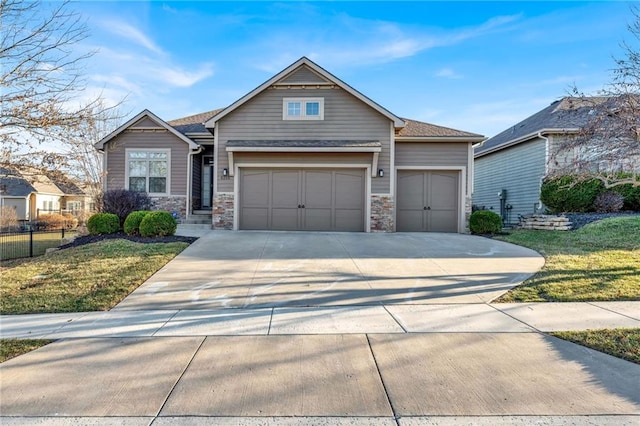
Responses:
[41,74]
[607,145]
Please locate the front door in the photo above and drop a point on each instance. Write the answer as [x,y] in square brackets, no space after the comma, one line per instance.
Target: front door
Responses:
[207,181]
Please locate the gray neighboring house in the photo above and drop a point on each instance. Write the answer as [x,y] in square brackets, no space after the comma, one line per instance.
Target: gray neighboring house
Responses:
[510,167]
[302,151]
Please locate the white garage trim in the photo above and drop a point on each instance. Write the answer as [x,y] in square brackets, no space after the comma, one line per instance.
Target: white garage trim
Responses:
[461,189]
[366,168]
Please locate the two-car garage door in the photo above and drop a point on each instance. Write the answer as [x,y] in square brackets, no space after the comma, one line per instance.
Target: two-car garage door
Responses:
[302,199]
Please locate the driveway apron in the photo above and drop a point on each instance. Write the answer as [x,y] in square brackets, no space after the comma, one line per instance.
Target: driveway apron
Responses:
[271,269]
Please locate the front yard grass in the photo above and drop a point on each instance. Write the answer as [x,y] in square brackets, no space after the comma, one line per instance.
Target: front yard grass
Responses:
[620,342]
[91,277]
[11,348]
[598,262]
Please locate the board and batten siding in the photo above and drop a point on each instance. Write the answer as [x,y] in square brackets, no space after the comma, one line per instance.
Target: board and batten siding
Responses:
[518,169]
[345,118]
[147,139]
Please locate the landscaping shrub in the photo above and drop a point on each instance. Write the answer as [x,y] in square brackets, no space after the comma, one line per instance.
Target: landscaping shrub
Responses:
[57,221]
[122,202]
[158,223]
[608,202]
[132,222]
[485,222]
[565,194]
[631,195]
[103,223]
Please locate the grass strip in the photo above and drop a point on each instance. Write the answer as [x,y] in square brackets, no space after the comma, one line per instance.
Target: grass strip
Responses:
[11,348]
[619,342]
[91,277]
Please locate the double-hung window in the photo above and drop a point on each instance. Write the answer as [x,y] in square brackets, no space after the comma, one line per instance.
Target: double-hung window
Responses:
[303,109]
[148,171]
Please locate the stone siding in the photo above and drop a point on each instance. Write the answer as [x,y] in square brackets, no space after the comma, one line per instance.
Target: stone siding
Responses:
[174,205]
[382,213]
[545,222]
[468,209]
[223,205]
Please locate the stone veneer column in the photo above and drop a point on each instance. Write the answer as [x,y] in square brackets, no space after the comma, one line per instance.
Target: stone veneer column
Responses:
[223,205]
[382,213]
[177,205]
[468,203]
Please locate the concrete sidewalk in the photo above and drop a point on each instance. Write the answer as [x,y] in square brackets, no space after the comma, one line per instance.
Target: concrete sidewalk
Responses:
[436,318]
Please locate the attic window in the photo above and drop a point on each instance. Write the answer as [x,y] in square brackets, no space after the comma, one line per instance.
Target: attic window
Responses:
[303,108]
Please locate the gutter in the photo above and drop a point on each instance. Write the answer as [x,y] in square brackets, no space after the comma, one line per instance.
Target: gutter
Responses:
[525,138]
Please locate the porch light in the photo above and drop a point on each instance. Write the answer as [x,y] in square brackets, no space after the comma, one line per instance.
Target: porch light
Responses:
[225,172]
[380,173]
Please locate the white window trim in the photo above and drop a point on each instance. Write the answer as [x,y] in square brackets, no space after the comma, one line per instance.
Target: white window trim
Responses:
[303,109]
[126,170]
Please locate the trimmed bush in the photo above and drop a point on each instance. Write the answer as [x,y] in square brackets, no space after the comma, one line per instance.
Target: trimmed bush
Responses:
[103,223]
[122,202]
[565,194]
[132,222]
[485,222]
[158,224]
[608,202]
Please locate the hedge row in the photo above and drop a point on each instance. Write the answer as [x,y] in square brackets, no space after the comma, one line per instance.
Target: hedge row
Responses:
[570,194]
[144,223]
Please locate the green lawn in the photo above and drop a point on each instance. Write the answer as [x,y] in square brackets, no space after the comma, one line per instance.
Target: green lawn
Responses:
[17,246]
[620,342]
[598,262]
[91,277]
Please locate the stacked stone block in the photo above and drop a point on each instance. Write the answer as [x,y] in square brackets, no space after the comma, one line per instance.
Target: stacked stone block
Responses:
[545,222]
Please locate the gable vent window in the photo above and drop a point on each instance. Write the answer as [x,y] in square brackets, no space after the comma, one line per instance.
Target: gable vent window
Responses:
[303,109]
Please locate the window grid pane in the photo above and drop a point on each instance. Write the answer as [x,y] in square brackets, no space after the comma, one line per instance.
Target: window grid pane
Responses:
[313,108]
[157,185]
[138,184]
[293,109]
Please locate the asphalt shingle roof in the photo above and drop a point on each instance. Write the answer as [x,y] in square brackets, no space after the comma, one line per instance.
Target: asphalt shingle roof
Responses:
[14,185]
[193,123]
[563,114]
[416,128]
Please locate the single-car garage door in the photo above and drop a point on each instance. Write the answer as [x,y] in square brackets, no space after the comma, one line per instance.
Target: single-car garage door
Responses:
[302,199]
[427,201]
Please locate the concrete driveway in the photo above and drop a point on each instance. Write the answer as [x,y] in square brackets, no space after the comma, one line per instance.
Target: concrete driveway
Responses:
[268,269]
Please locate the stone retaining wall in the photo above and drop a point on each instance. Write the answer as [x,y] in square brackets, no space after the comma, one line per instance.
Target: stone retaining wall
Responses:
[545,222]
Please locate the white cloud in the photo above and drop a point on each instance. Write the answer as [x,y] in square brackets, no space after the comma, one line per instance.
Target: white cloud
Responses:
[181,78]
[131,33]
[447,73]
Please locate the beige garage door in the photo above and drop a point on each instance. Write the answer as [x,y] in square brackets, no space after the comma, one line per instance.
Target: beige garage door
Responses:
[427,201]
[302,199]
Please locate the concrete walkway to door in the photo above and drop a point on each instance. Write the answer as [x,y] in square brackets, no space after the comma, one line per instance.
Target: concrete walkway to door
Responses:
[271,269]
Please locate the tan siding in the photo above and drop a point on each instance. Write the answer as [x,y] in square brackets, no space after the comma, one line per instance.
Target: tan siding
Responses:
[345,117]
[146,122]
[303,75]
[431,154]
[116,164]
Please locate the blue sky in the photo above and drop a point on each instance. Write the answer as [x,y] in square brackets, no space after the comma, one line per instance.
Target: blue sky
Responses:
[475,66]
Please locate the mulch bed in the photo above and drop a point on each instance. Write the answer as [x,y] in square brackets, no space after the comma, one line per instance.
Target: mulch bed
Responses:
[88,239]
[578,220]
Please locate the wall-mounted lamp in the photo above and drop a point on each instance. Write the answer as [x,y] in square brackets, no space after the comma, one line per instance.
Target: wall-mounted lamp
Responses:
[380,173]
[225,172]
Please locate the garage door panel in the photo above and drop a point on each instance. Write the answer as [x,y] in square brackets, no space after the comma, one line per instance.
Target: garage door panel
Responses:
[302,199]
[254,218]
[317,219]
[427,201]
[256,189]
[349,190]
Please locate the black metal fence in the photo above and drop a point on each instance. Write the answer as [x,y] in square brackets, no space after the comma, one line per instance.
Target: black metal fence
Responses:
[29,243]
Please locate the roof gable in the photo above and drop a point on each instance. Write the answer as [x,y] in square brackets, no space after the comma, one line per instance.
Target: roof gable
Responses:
[292,70]
[193,123]
[146,117]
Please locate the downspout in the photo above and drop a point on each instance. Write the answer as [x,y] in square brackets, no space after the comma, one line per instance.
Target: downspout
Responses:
[546,167]
[190,178]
